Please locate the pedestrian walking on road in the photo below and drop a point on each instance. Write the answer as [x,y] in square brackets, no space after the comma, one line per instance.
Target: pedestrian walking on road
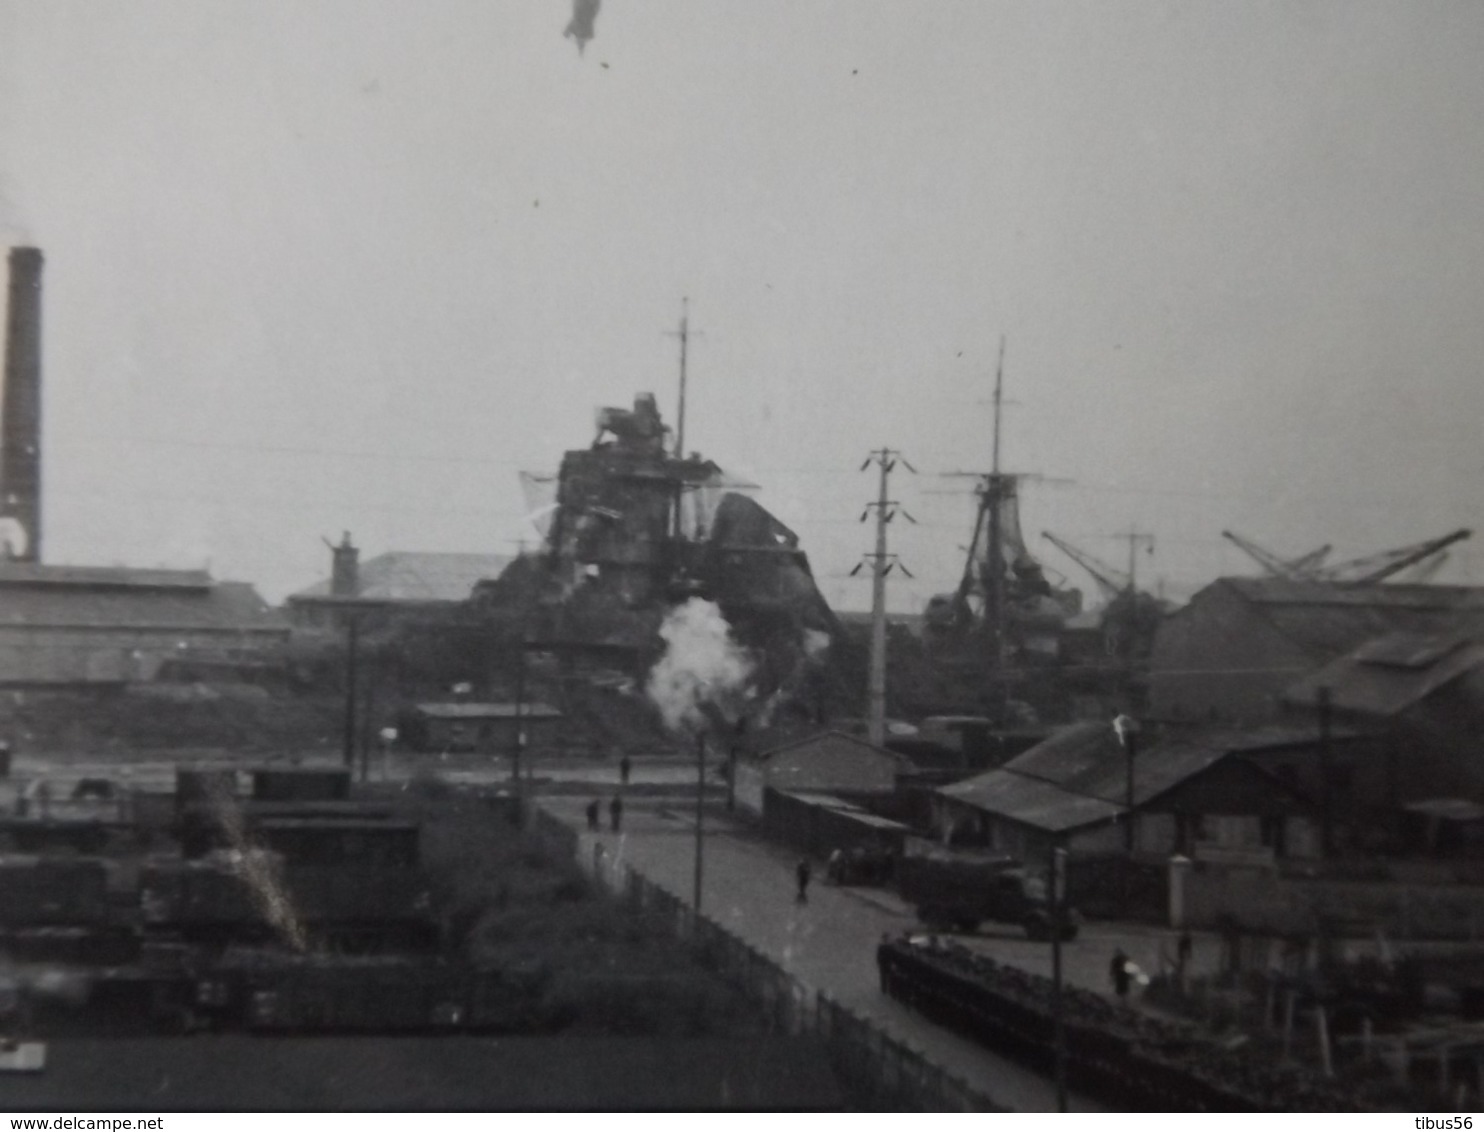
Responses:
[802,874]
[593,809]
[615,812]
[1118,971]
[624,767]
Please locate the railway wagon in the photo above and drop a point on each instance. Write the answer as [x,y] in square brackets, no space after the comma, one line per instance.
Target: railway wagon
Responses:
[351,841]
[300,784]
[43,891]
[1135,1061]
[336,993]
[363,906]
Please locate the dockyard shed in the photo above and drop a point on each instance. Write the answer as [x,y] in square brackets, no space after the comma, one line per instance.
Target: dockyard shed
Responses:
[1191,791]
[1421,698]
[818,824]
[831,762]
[79,626]
[1228,655]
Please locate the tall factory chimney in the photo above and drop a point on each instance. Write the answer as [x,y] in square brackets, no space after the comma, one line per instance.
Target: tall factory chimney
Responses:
[20,409]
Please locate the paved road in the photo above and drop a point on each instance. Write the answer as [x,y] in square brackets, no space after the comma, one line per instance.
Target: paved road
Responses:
[827,944]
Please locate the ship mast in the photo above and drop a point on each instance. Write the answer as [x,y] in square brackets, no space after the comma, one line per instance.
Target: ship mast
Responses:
[684,336]
[993,499]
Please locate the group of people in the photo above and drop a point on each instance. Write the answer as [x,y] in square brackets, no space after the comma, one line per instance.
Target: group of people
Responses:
[803,871]
[615,805]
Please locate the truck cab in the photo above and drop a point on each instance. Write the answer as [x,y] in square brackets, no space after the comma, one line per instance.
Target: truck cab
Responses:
[954,889]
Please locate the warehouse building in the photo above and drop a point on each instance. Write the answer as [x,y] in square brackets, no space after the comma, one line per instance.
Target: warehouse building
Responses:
[397,581]
[77,626]
[829,763]
[1228,655]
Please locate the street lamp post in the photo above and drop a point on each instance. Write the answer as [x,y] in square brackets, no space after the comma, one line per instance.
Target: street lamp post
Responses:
[1058,900]
[700,814]
[352,647]
[1127,730]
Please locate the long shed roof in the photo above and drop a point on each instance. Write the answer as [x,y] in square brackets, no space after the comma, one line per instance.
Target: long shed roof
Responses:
[1328,618]
[1387,676]
[84,604]
[1032,801]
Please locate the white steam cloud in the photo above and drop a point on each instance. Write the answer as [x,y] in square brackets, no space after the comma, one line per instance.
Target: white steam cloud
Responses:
[816,643]
[702,664]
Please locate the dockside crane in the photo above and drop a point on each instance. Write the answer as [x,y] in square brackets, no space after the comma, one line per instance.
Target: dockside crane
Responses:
[1422,572]
[1111,580]
[1379,567]
[1305,566]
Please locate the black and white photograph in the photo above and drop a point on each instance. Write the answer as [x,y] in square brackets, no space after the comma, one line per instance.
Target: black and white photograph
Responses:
[699,556]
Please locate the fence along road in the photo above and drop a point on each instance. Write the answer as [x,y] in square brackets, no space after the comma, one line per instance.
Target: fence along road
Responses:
[828,945]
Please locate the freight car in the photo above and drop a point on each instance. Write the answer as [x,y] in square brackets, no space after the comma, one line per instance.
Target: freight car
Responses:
[38,891]
[277,992]
[219,900]
[351,841]
[57,909]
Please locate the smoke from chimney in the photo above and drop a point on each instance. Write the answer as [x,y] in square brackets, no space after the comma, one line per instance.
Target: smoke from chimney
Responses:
[20,425]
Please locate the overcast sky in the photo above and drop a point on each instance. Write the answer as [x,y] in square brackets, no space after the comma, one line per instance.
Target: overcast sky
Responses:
[317,265]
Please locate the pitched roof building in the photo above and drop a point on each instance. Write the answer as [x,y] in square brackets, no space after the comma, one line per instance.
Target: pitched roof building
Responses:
[1229,654]
[1187,788]
[82,625]
[397,579]
[830,762]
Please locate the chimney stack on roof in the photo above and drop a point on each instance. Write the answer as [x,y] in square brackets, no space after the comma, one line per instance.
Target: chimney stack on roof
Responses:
[344,568]
[20,425]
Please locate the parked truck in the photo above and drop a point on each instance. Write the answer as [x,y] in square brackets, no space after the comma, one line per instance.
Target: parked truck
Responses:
[952,888]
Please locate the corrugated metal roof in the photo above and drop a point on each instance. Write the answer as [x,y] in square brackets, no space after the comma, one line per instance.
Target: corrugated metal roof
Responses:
[828,801]
[36,574]
[1086,761]
[1327,619]
[223,607]
[1386,595]
[1031,801]
[417,576]
[1069,754]
[1359,684]
[850,742]
[489,711]
[1410,650]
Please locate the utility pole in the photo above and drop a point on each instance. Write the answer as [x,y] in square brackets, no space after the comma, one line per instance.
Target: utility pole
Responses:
[520,712]
[1127,730]
[881,565]
[352,647]
[684,335]
[1058,895]
[700,815]
[1324,700]
[368,711]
